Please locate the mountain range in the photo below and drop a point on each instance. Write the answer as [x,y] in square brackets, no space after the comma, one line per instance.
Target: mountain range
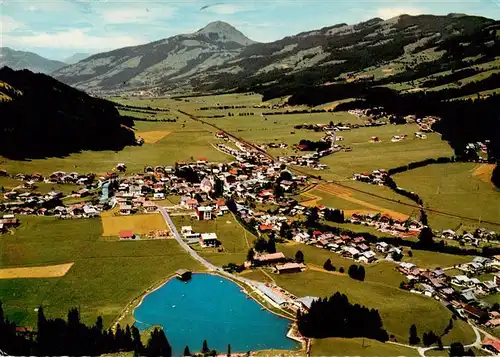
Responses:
[77,57]
[28,60]
[220,56]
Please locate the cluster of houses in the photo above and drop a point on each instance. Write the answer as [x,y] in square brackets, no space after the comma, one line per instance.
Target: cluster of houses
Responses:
[57,177]
[376,177]
[386,224]
[204,239]
[464,291]
[480,235]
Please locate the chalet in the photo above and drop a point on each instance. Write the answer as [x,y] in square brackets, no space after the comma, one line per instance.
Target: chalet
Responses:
[126,235]
[468,296]
[204,213]
[191,203]
[42,212]
[491,345]
[89,211]
[158,196]
[272,258]
[289,268]
[489,287]
[125,209]
[9,221]
[265,228]
[150,207]
[460,280]
[186,230]
[367,257]
[350,252]
[209,240]
[474,312]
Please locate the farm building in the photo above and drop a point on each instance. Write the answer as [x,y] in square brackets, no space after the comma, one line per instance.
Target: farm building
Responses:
[127,235]
[273,258]
[289,268]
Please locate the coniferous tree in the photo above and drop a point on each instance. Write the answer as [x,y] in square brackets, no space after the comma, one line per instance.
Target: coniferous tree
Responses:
[328,265]
[299,257]
[187,352]
[271,246]
[229,350]
[414,339]
[158,344]
[204,347]
[137,342]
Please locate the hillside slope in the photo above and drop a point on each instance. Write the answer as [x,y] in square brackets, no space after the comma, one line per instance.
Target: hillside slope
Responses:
[42,117]
[27,60]
[220,57]
[151,64]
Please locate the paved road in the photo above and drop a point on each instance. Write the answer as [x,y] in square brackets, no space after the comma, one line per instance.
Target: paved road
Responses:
[199,258]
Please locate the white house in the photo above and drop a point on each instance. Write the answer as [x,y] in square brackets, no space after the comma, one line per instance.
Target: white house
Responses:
[208,240]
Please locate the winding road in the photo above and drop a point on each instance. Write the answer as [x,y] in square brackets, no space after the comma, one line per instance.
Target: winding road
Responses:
[209,266]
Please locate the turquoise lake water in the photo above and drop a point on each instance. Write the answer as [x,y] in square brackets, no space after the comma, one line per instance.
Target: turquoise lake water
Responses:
[212,308]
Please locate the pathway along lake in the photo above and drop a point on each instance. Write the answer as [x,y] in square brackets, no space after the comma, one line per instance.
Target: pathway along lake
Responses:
[213,308]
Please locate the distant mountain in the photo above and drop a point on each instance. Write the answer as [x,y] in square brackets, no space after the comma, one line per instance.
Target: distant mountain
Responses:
[40,117]
[27,60]
[77,57]
[165,60]
[220,57]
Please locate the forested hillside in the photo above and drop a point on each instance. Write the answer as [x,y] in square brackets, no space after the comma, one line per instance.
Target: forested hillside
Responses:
[43,117]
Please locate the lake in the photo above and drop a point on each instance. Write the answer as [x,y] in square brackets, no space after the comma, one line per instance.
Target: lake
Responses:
[213,308]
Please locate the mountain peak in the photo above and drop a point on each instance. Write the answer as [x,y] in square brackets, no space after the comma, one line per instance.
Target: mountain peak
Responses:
[221,31]
[217,26]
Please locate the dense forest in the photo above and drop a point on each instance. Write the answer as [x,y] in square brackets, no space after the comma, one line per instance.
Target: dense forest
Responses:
[337,317]
[42,117]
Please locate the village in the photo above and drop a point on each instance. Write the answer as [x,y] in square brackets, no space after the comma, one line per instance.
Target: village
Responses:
[244,188]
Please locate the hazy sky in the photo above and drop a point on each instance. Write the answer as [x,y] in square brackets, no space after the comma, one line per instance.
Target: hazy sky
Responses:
[58,28]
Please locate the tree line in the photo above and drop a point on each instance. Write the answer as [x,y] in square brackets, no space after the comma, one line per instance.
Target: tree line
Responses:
[337,317]
[71,337]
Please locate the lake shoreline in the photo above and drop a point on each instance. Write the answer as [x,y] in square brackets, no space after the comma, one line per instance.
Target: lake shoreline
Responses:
[127,314]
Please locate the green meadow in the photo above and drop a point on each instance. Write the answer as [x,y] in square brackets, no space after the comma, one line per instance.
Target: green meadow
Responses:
[105,277]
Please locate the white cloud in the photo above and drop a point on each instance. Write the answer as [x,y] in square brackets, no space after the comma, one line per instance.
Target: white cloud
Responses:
[8,24]
[137,15]
[389,12]
[225,9]
[32,8]
[73,39]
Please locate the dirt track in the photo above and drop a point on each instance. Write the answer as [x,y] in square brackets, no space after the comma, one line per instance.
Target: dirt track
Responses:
[47,271]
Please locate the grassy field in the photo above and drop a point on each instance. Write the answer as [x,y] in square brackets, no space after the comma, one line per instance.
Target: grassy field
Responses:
[432,260]
[357,347]
[171,148]
[139,224]
[399,309]
[105,275]
[454,188]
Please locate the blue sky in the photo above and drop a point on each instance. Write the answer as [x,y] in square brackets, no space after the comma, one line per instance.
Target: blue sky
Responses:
[59,28]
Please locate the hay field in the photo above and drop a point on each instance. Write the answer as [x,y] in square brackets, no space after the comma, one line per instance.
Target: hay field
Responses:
[47,271]
[152,137]
[138,223]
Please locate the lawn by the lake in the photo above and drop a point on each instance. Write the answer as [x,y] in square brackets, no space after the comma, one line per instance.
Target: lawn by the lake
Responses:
[105,277]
